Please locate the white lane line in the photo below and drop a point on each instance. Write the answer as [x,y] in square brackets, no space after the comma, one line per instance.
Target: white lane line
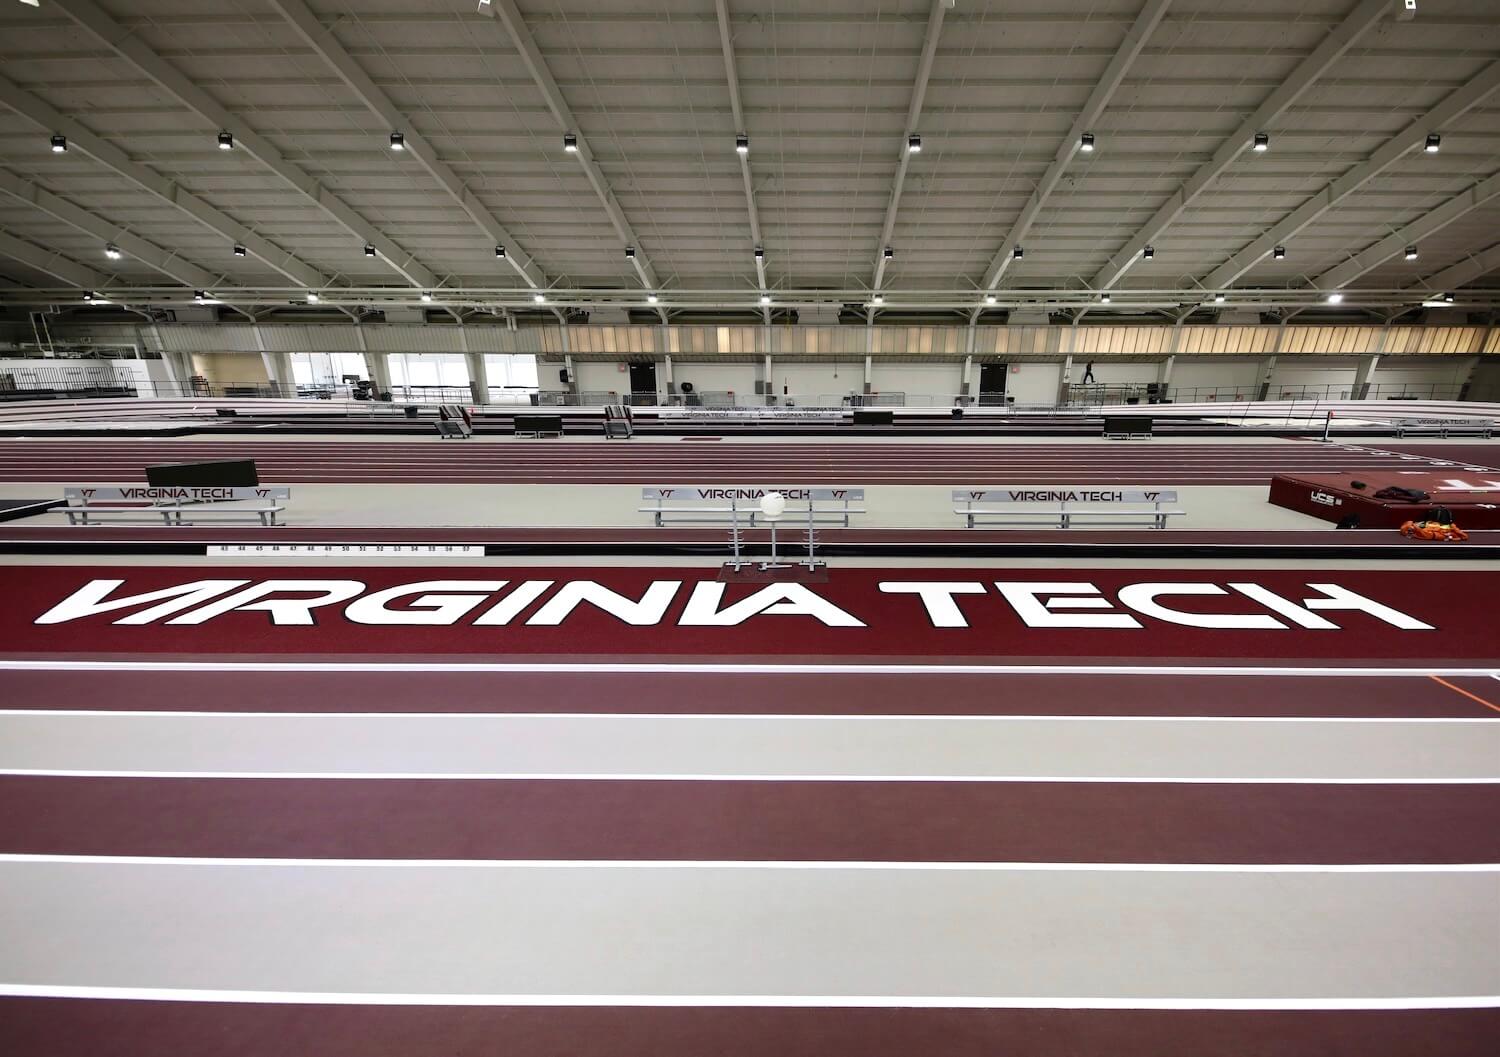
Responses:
[764,716]
[615,776]
[754,864]
[691,668]
[384,998]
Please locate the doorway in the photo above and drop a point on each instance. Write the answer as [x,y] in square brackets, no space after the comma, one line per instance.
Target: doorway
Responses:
[992,384]
[643,383]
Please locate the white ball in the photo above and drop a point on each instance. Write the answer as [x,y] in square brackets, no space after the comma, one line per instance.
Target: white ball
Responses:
[773,504]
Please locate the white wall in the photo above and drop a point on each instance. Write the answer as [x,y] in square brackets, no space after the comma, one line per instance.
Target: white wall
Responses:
[938,382]
[1033,383]
[1234,378]
[736,378]
[806,382]
[594,377]
[1291,377]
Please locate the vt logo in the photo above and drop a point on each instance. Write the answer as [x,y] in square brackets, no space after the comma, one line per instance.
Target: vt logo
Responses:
[838,493]
[667,492]
[87,492]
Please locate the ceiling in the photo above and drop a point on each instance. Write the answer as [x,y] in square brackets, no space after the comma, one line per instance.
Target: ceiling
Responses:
[828,92]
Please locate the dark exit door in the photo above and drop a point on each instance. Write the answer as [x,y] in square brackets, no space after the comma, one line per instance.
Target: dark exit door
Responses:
[642,383]
[992,383]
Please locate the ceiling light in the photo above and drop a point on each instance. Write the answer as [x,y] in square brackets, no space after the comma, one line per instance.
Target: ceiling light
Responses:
[889,254]
[1434,143]
[760,253]
[1148,252]
[426,298]
[59,144]
[1448,298]
[312,298]
[540,299]
[990,299]
[88,296]
[500,252]
[630,253]
[239,251]
[1105,299]
[1335,298]
[1411,253]
[1219,299]
[1262,142]
[1017,253]
[651,299]
[1086,142]
[1279,253]
[570,142]
[765,299]
[369,249]
[913,144]
[112,251]
[878,299]
[398,141]
[1434,304]
[198,296]
[226,141]
[742,144]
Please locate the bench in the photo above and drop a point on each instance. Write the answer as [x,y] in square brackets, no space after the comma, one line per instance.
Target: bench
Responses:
[1064,506]
[688,504]
[97,505]
[1127,427]
[537,425]
[1444,427]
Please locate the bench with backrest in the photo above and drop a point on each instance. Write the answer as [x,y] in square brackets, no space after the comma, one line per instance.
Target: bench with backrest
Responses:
[1065,506]
[686,504]
[173,505]
[1445,427]
[537,425]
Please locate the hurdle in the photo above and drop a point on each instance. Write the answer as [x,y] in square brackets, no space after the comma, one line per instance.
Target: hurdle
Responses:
[807,506]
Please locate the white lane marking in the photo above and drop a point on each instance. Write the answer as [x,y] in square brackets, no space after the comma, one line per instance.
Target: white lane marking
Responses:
[383,998]
[752,864]
[689,668]
[768,716]
[614,776]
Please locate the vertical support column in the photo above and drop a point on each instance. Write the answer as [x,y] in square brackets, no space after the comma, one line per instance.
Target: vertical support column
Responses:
[572,374]
[770,386]
[377,367]
[1065,380]
[479,372]
[1364,376]
[1267,369]
[869,373]
[966,387]
[1164,371]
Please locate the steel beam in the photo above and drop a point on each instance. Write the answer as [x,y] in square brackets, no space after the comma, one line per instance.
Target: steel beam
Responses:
[1358,21]
[1410,139]
[913,118]
[129,46]
[51,262]
[101,150]
[107,232]
[1458,275]
[509,16]
[1394,243]
[1135,39]
[322,41]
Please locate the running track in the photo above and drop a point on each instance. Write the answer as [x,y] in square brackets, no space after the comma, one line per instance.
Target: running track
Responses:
[423,461]
[1337,850]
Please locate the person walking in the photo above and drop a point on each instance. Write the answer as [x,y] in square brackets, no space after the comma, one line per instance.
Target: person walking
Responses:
[1088,373]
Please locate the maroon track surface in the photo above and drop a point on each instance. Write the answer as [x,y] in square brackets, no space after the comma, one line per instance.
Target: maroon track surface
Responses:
[759,693]
[50,1027]
[1139,822]
[813,821]
[890,626]
[430,461]
[1486,455]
